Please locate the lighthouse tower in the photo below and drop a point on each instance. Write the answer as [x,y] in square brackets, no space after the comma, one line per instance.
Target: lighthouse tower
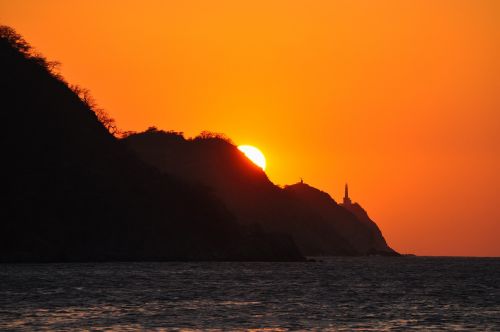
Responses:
[347,200]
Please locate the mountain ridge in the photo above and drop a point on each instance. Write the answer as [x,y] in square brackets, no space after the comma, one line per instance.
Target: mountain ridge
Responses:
[77,193]
[311,217]
[73,192]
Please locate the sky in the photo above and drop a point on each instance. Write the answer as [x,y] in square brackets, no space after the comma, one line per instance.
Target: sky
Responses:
[401,99]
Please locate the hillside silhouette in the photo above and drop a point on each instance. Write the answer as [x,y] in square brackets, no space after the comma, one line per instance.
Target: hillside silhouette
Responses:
[74,192]
[317,224]
[350,220]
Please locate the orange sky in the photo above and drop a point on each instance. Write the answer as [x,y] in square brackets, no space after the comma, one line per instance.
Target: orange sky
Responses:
[399,98]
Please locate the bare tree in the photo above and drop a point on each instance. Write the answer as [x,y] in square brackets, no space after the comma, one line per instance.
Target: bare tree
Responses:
[15,40]
[108,122]
[212,135]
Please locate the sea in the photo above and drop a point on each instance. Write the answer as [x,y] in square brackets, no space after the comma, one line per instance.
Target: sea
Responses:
[330,294]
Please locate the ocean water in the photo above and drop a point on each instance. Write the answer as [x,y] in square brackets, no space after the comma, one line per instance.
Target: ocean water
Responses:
[372,293]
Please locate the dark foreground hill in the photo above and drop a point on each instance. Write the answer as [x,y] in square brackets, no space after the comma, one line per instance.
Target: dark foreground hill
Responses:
[318,225]
[72,191]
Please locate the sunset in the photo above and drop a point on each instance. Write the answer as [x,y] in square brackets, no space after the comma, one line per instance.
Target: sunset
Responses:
[254,154]
[253,131]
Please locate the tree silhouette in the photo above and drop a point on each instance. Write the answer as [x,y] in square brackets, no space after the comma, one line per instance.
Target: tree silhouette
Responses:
[15,40]
[85,96]
[9,37]
[207,135]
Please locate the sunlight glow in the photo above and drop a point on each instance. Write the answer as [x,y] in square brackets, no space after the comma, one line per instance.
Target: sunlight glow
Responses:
[254,154]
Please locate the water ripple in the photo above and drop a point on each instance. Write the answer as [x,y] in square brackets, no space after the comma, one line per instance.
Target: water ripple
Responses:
[335,294]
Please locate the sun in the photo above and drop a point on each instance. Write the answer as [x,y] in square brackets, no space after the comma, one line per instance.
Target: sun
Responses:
[254,154]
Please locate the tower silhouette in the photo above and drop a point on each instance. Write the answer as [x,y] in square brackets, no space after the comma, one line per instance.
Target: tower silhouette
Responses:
[347,200]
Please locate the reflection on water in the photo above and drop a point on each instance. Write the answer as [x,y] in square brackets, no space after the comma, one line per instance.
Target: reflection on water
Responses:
[336,294]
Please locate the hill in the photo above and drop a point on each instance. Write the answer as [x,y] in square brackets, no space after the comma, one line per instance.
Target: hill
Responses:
[73,192]
[317,224]
[350,220]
